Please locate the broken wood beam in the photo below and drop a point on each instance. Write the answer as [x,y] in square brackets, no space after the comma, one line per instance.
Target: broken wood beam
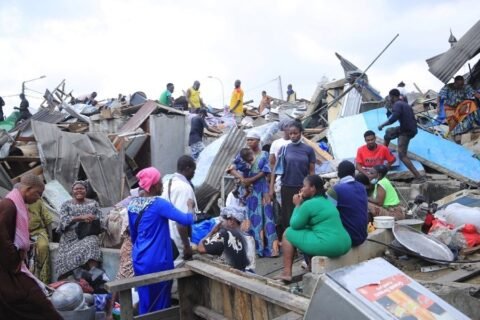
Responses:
[21,159]
[207,314]
[38,170]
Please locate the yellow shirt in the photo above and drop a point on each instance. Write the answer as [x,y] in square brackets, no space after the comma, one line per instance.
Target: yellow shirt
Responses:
[237,95]
[194,100]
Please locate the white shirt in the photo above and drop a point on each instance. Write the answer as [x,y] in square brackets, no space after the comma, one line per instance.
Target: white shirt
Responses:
[277,145]
[180,192]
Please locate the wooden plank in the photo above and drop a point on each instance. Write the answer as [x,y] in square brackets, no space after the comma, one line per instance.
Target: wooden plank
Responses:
[290,316]
[21,159]
[458,275]
[25,139]
[124,284]
[285,299]
[172,313]
[275,311]
[216,296]
[139,117]
[259,308]
[38,170]
[126,310]
[322,155]
[189,296]
[242,306]
[227,299]
[469,251]
[207,314]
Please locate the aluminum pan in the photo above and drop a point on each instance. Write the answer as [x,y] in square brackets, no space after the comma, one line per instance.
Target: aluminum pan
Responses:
[422,244]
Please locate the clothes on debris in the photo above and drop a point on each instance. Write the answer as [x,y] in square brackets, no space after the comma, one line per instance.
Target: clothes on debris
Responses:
[21,294]
[369,158]
[231,244]
[463,117]
[316,229]
[351,200]
[39,222]
[261,224]
[73,252]
[152,247]
[178,190]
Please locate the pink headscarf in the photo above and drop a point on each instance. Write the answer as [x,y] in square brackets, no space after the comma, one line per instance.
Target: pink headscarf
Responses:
[148,177]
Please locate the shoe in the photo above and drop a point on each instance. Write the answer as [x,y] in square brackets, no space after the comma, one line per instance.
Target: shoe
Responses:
[419,180]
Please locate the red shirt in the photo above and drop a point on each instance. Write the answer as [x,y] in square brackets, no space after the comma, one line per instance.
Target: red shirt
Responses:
[369,158]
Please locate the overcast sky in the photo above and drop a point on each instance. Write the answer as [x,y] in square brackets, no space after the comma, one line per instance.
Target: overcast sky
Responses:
[122,46]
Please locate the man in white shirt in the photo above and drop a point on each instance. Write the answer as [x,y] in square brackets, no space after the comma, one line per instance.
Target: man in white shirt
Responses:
[283,125]
[178,189]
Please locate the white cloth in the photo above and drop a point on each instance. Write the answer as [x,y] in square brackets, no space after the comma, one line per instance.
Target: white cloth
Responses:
[180,192]
[231,201]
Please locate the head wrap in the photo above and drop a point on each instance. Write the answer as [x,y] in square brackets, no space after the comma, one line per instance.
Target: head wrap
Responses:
[148,177]
[253,135]
[237,213]
[81,182]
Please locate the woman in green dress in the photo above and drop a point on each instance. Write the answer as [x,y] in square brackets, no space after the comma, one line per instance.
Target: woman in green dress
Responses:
[315,227]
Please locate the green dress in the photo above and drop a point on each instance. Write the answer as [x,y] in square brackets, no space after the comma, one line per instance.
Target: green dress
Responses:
[316,229]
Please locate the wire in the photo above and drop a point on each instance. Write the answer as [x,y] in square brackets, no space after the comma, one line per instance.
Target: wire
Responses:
[410,253]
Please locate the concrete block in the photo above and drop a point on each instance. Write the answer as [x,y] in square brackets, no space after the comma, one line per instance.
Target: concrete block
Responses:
[367,250]
[111,261]
[310,281]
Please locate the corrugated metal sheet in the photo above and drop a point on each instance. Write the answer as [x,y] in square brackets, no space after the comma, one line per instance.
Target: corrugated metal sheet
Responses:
[139,117]
[62,154]
[43,115]
[351,102]
[107,125]
[445,65]
[167,141]
[207,186]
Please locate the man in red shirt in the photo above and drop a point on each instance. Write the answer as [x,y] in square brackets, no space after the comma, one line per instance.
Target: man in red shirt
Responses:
[372,154]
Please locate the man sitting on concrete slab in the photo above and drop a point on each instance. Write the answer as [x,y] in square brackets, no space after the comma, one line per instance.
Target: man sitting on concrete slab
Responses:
[372,154]
[350,197]
[402,113]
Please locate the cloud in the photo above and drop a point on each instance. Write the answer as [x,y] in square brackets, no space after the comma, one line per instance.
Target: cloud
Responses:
[124,46]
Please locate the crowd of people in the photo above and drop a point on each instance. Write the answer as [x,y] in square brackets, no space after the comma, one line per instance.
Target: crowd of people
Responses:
[279,208]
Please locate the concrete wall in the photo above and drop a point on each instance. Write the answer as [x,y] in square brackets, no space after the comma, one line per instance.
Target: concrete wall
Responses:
[111,261]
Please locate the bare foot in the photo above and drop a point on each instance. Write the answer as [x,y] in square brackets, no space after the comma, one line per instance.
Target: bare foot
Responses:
[283,277]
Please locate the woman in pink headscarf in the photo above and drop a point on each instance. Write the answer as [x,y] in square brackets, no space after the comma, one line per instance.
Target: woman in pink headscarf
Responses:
[152,248]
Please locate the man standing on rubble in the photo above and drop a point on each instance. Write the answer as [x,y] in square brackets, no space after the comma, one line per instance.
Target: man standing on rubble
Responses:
[402,113]
[193,98]
[166,97]
[23,109]
[197,125]
[178,190]
[372,154]
[291,95]
[236,102]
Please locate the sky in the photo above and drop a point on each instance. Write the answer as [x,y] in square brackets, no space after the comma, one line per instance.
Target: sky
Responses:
[124,46]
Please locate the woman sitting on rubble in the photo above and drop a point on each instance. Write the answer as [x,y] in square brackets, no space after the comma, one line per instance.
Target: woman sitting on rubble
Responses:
[40,220]
[259,222]
[315,227]
[80,224]
[384,200]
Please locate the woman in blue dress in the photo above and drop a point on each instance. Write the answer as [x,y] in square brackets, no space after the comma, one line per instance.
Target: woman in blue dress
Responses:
[152,248]
[254,177]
